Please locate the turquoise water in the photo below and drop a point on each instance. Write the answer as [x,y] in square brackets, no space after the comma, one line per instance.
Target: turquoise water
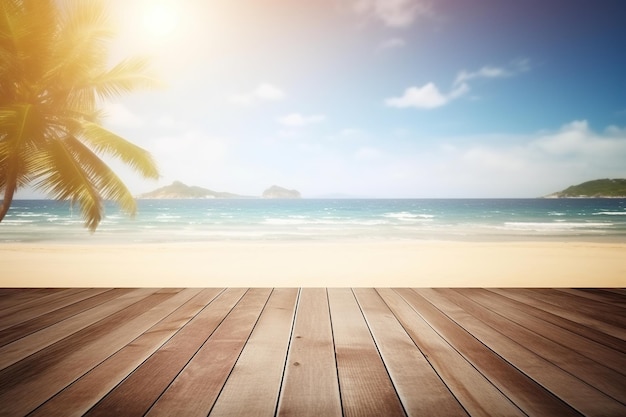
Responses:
[324,219]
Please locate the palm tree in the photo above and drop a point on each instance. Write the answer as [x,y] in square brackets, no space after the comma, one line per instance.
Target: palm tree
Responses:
[53,76]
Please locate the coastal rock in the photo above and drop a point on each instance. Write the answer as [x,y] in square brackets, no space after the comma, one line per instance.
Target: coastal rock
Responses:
[279,192]
[178,190]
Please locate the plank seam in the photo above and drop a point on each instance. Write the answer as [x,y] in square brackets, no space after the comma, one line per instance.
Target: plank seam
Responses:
[420,349]
[159,396]
[369,329]
[77,380]
[539,354]
[471,363]
[197,350]
[293,326]
[332,334]
[243,347]
[57,322]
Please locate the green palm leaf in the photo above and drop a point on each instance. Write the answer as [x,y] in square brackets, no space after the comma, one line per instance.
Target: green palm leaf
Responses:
[53,76]
[103,141]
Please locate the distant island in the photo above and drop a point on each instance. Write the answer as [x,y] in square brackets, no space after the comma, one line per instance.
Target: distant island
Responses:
[179,191]
[279,192]
[603,188]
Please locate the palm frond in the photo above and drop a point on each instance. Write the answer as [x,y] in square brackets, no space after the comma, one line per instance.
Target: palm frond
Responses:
[127,76]
[19,125]
[106,142]
[80,46]
[39,26]
[53,74]
[61,174]
[108,184]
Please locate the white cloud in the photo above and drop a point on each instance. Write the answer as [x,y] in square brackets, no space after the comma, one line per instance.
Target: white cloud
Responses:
[269,92]
[264,92]
[516,67]
[392,43]
[577,141]
[118,115]
[429,96]
[299,120]
[528,165]
[426,97]
[533,165]
[192,156]
[394,13]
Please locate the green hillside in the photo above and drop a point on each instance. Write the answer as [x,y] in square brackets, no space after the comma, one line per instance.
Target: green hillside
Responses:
[178,190]
[596,188]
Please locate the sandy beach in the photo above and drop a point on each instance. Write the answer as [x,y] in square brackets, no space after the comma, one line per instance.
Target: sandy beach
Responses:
[327,264]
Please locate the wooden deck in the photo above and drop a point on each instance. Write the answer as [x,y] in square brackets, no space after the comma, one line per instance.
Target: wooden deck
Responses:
[312,352]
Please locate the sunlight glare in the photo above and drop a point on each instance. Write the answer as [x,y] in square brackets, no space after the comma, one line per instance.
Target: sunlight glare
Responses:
[160,18]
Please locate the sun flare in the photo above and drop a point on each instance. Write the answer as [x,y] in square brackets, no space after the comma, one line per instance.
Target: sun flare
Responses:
[160,19]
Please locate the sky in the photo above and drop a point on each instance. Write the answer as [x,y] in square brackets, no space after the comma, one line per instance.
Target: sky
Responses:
[376,98]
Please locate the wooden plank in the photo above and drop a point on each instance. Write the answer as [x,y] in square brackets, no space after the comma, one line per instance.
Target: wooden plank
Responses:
[40,376]
[534,308]
[521,354]
[619,291]
[602,312]
[419,387]
[37,307]
[365,387]
[495,349]
[18,296]
[20,349]
[543,299]
[484,383]
[93,299]
[602,378]
[253,387]
[594,351]
[616,301]
[448,319]
[136,394]
[81,395]
[196,388]
[310,386]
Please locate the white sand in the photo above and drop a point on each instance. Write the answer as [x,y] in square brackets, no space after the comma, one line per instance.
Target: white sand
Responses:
[337,264]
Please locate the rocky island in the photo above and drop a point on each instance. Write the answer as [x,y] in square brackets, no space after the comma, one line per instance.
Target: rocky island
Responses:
[179,191]
[279,192]
[603,188]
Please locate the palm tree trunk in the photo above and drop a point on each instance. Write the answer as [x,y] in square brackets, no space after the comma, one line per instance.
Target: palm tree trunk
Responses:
[9,192]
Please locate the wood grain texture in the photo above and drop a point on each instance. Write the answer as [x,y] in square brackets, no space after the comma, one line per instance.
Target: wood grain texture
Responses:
[198,385]
[419,387]
[365,386]
[310,386]
[312,352]
[136,394]
[252,388]
[80,396]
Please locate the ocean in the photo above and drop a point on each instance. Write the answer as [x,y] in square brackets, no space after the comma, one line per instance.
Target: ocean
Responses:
[161,221]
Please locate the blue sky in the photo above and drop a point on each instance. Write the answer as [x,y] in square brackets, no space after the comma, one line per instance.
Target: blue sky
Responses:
[377,98]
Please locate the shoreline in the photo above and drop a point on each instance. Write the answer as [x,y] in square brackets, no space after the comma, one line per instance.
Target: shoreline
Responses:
[315,264]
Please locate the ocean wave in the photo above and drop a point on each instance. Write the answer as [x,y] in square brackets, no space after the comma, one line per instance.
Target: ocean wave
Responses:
[28,214]
[555,226]
[322,221]
[405,215]
[610,213]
